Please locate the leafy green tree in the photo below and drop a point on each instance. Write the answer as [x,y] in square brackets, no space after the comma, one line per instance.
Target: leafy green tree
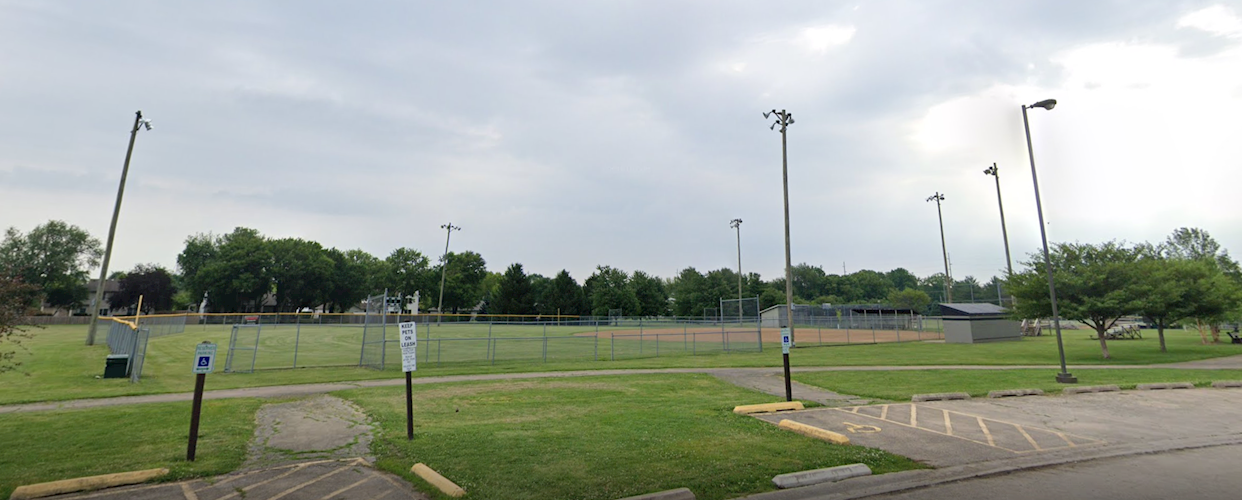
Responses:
[901,279]
[406,271]
[514,294]
[302,272]
[808,281]
[651,294]
[566,296]
[239,275]
[463,286]
[609,290]
[871,286]
[200,249]
[967,289]
[1096,284]
[1197,244]
[689,290]
[53,257]
[351,275]
[540,287]
[149,281]
[909,298]
[1172,288]
[15,299]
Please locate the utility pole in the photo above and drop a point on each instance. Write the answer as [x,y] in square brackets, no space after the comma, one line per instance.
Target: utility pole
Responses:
[785,119]
[444,268]
[737,224]
[948,276]
[139,123]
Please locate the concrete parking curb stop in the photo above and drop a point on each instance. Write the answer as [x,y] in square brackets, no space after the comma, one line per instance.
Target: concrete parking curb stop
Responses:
[1015,393]
[85,483]
[1087,389]
[1225,384]
[815,432]
[946,396]
[768,407]
[440,482]
[677,494]
[817,476]
[1165,386]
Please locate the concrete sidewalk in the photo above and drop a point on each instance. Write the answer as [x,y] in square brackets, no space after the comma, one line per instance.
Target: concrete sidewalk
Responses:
[730,374]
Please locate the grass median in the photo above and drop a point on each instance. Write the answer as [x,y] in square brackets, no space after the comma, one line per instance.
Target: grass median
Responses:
[901,385]
[597,437]
[58,366]
[54,445]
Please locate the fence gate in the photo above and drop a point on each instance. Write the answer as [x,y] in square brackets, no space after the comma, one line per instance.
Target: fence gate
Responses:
[374,332]
[125,340]
[241,342]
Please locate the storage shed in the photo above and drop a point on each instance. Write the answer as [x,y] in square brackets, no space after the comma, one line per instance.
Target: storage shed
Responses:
[974,323]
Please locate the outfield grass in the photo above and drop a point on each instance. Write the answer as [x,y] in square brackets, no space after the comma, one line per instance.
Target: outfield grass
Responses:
[901,385]
[54,445]
[59,366]
[597,438]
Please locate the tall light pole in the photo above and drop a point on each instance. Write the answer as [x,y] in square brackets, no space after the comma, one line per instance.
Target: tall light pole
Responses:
[785,119]
[1064,377]
[995,172]
[948,278]
[737,224]
[444,268]
[139,123]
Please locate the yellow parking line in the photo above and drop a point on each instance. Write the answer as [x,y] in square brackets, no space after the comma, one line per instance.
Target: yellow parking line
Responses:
[914,416]
[948,424]
[1028,438]
[856,408]
[187,492]
[347,488]
[884,412]
[261,483]
[1066,438]
[984,427]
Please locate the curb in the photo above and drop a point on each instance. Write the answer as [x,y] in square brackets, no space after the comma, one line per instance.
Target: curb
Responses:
[85,483]
[1225,384]
[1015,393]
[1164,386]
[1088,389]
[768,407]
[815,432]
[440,482]
[946,396]
[817,476]
[677,494]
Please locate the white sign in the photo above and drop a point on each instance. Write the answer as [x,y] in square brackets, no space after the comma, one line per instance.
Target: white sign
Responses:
[785,340]
[204,358]
[409,346]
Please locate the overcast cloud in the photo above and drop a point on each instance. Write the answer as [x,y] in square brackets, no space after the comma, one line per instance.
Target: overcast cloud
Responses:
[572,134]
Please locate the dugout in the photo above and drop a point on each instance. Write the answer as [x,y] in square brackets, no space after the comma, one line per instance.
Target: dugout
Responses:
[976,323]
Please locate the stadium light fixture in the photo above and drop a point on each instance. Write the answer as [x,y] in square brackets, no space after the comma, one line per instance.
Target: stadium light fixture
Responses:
[948,278]
[784,119]
[444,267]
[139,122]
[1064,377]
[737,224]
[995,172]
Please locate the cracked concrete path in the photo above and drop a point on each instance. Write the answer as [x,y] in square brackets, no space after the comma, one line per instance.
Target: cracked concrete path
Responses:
[317,428]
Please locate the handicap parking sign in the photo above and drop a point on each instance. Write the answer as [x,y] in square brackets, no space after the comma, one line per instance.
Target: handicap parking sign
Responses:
[204,358]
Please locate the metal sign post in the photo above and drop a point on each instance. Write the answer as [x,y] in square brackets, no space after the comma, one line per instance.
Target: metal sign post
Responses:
[786,341]
[204,363]
[409,363]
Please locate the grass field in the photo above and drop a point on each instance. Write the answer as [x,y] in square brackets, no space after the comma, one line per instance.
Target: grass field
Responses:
[901,385]
[48,446]
[597,438]
[59,366]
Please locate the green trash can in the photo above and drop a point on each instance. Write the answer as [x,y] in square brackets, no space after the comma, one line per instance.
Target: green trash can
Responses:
[116,366]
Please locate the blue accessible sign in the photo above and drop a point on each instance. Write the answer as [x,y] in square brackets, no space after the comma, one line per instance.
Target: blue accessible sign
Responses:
[204,358]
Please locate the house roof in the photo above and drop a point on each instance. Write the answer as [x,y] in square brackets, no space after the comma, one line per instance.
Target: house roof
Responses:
[980,309]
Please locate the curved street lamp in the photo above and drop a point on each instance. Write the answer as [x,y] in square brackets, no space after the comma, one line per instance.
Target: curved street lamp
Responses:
[1064,377]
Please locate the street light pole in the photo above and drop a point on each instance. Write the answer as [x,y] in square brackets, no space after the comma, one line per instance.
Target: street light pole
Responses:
[948,278]
[1064,377]
[139,123]
[444,268]
[995,172]
[785,119]
[737,224]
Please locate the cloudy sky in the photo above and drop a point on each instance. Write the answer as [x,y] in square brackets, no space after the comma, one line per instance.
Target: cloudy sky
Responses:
[568,134]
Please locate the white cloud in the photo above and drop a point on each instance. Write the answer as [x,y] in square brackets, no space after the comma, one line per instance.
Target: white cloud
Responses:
[1217,19]
[819,39]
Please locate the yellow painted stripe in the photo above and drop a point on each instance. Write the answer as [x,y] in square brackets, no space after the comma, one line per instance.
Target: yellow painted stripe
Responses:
[948,423]
[1028,437]
[984,427]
